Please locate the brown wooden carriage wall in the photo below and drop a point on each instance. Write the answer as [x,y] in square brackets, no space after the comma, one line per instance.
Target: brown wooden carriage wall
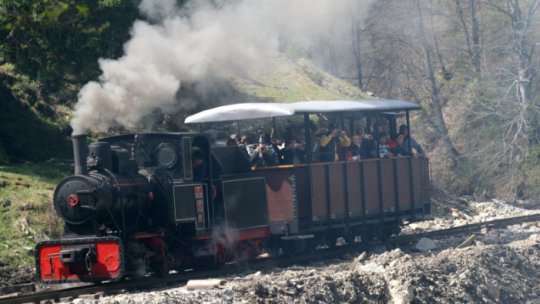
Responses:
[338,194]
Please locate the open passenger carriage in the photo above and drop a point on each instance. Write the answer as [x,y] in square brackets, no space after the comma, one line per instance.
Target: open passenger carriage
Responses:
[320,201]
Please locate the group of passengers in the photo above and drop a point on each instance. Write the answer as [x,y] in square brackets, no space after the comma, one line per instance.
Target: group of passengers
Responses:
[335,145]
[331,144]
[266,150]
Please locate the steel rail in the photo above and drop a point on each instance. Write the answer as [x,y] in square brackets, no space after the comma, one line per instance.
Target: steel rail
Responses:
[503,222]
[267,263]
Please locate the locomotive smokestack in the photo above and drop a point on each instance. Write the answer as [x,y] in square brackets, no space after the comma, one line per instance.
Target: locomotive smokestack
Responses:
[80,152]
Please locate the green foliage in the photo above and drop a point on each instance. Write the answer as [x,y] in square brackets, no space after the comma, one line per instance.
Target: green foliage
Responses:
[531,168]
[58,42]
[48,50]
[4,159]
[26,215]
[317,77]
[25,136]
[468,179]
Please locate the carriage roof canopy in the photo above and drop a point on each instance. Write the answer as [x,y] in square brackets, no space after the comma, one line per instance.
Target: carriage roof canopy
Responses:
[242,111]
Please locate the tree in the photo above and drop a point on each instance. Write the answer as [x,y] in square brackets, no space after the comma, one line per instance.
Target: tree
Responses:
[58,42]
[521,69]
[435,100]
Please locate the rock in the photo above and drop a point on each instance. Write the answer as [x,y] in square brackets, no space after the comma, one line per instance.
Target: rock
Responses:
[204,284]
[494,292]
[425,244]
[362,257]
[401,293]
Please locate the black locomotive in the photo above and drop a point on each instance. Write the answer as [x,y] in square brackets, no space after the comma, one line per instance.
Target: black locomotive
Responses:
[134,205]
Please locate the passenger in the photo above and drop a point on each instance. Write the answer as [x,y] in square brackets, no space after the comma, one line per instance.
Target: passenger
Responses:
[403,142]
[251,148]
[392,145]
[232,140]
[378,131]
[383,146]
[270,150]
[330,144]
[198,164]
[361,131]
[260,154]
[355,149]
[273,136]
[315,149]
[288,135]
[368,148]
[293,154]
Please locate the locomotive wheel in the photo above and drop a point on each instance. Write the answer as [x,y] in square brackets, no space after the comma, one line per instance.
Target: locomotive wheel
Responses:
[206,263]
[293,248]
[387,231]
[329,239]
[349,238]
[368,235]
[160,269]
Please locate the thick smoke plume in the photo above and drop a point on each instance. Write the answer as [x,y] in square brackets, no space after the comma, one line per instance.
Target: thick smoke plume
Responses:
[187,44]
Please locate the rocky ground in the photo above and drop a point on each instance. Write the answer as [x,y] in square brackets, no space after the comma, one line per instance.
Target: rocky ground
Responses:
[492,266]
[13,276]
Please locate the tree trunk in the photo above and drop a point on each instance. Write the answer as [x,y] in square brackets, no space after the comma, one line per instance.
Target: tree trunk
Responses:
[475,29]
[435,104]
[517,138]
[472,50]
[357,53]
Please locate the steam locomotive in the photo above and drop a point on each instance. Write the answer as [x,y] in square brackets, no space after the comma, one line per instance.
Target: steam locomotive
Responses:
[134,206]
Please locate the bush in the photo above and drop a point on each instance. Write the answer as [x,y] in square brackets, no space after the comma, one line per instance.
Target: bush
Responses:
[25,136]
[531,168]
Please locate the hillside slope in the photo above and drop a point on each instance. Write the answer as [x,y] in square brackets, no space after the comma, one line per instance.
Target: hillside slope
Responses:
[288,80]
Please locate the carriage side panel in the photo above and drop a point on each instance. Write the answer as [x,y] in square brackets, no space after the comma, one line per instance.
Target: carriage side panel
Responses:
[337,193]
[279,192]
[371,186]
[354,184]
[388,184]
[404,183]
[318,194]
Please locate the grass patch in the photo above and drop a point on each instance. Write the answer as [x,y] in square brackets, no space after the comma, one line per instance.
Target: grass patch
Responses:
[26,213]
[288,81]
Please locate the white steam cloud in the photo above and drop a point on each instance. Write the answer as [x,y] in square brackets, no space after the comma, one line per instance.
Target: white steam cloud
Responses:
[190,43]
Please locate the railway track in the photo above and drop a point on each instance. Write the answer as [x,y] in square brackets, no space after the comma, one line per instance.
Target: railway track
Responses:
[155,282]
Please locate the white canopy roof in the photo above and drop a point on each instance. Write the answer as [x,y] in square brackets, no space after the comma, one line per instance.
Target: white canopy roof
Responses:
[325,106]
[242,111]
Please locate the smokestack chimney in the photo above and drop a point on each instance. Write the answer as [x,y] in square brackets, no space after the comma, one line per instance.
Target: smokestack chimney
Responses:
[80,152]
